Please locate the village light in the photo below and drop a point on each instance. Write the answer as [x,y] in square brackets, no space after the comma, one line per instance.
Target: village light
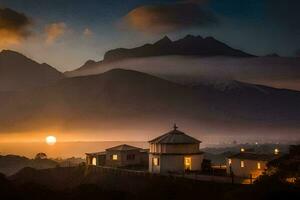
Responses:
[258,165]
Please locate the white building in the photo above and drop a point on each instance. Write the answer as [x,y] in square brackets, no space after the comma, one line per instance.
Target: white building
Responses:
[247,164]
[175,152]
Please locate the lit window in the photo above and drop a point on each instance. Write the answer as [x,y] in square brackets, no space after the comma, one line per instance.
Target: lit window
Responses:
[94,161]
[258,165]
[187,163]
[242,164]
[156,161]
[115,157]
[242,150]
[229,161]
[276,151]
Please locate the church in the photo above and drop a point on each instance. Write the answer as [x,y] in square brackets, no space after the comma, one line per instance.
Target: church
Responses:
[175,152]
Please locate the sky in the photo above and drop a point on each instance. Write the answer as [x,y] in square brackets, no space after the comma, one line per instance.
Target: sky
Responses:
[67,33]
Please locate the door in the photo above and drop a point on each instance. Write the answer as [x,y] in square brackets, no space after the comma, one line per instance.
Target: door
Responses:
[188,163]
[94,161]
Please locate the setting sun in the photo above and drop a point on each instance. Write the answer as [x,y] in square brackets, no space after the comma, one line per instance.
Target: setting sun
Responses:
[50,140]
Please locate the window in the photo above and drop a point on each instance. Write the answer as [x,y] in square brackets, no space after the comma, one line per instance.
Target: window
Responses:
[229,161]
[130,157]
[156,161]
[276,151]
[242,150]
[187,163]
[115,157]
[242,164]
[258,165]
[94,161]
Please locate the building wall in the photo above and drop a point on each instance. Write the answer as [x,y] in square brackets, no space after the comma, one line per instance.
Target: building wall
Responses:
[174,148]
[174,163]
[250,167]
[122,158]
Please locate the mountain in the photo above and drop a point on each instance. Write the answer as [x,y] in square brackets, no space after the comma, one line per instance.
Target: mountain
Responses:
[124,101]
[188,46]
[18,72]
[279,72]
[194,58]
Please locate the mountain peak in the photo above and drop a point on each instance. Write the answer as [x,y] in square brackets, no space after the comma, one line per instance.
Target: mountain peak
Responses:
[163,41]
[188,46]
[24,73]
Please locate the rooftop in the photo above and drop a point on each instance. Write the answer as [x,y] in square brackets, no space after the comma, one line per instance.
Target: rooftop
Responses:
[123,147]
[96,153]
[175,137]
[254,156]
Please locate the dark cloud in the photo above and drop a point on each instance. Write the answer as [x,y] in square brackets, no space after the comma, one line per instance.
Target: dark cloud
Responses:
[13,27]
[169,17]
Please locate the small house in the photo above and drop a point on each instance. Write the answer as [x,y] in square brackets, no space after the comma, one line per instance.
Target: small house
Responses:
[119,156]
[175,151]
[248,164]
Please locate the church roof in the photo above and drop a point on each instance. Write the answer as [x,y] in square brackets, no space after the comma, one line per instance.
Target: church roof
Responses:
[123,147]
[175,137]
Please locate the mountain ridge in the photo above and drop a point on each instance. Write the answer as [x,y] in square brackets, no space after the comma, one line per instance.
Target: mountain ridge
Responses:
[18,72]
[189,45]
[123,99]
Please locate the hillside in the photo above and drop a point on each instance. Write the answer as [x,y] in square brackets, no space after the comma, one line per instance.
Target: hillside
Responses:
[11,164]
[135,185]
[18,72]
[123,100]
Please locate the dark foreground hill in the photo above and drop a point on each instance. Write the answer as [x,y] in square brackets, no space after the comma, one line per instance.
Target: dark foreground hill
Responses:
[132,186]
[128,100]
[92,183]
[18,72]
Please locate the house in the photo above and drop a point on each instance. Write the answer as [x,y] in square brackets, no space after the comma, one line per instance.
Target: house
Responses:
[248,164]
[119,156]
[175,151]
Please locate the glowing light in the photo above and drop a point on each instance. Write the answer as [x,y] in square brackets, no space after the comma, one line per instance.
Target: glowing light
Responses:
[276,151]
[242,150]
[229,161]
[258,165]
[94,161]
[156,161]
[188,163]
[50,140]
[115,157]
[242,164]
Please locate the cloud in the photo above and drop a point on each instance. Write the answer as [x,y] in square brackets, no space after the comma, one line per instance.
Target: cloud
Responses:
[54,31]
[14,27]
[87,32]
[169,17]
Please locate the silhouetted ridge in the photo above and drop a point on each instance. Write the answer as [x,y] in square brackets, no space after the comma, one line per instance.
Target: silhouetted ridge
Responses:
[189,45]
[19,72]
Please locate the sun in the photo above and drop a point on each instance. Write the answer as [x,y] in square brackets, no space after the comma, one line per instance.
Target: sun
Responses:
[50,140]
